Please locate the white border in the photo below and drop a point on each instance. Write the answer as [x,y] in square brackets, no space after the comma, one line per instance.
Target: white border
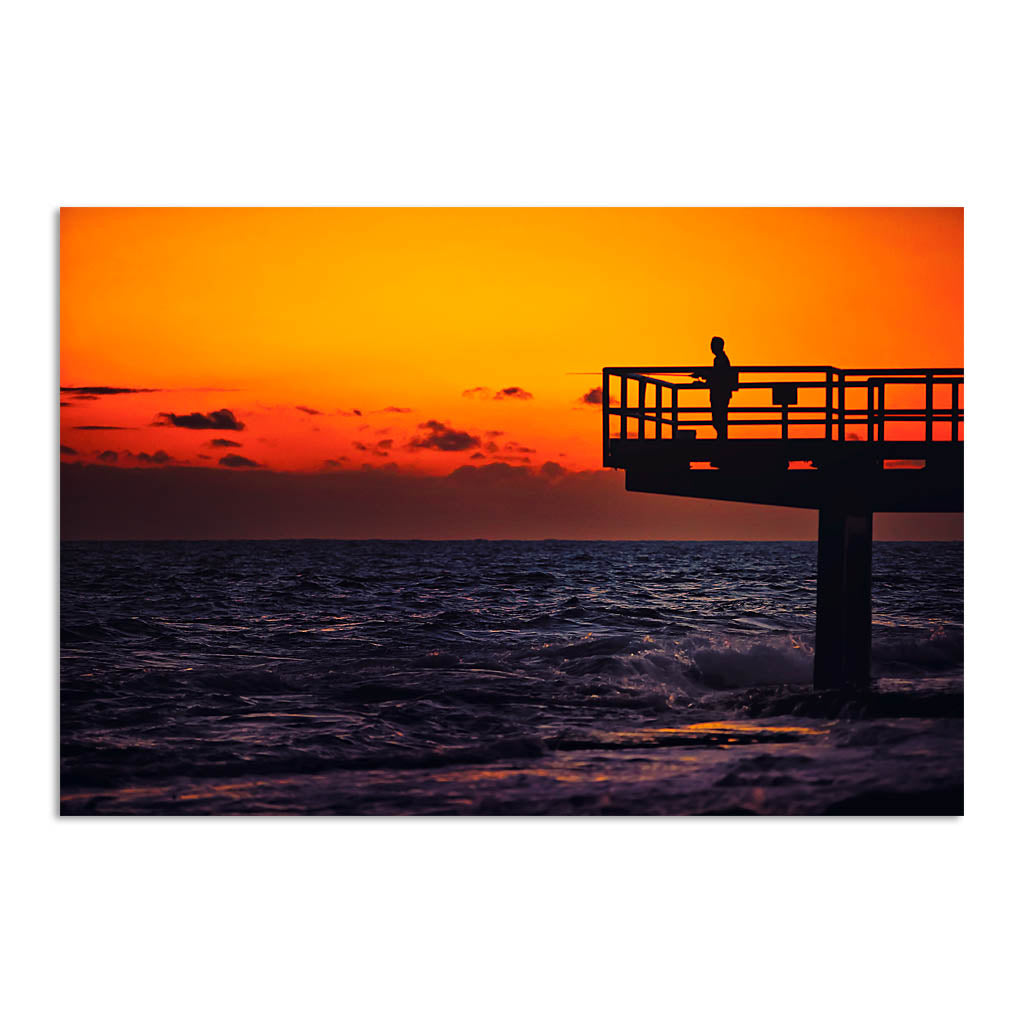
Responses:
[532,104]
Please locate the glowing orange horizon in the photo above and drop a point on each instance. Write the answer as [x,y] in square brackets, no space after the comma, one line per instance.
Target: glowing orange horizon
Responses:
[295,319]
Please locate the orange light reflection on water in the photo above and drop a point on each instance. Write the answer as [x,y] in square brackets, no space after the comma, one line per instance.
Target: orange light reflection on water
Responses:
[745,727]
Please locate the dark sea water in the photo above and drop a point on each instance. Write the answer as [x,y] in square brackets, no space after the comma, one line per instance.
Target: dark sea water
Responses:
[477,677]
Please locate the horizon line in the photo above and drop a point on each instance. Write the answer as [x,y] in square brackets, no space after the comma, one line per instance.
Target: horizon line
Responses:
[477,540]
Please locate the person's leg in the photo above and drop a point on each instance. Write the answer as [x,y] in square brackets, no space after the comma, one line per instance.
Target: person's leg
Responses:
[720,417]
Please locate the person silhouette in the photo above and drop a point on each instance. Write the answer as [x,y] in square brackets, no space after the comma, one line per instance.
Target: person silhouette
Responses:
[722,381]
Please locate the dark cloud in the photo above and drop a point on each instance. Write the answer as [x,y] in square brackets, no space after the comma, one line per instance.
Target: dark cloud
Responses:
[476,392]
[65,450]
[219,419]
[81,398]
[395,408]
[336,463]
[491,472]
[349,412]
[238,462]
[512,393]
[222,442]
[93,426]
[553,470]
[493,433]
[513,446]
[94,391]
[62,404]
[380,448]
[309,412]
[158,458]
[491,446]
[595,396]
[107,456]
[477,455]
[444,438]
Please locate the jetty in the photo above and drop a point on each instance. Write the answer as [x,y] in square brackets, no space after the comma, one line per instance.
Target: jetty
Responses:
[847,442]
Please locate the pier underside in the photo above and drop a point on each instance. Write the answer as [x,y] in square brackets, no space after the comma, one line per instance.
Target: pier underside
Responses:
[881,476]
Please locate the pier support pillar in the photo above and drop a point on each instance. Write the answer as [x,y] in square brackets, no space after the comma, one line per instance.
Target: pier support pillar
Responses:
[842,651]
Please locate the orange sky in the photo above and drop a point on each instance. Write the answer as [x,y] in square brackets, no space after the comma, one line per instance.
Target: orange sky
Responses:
[260,311]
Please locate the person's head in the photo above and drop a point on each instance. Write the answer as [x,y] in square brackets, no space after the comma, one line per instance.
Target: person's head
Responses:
[717,344]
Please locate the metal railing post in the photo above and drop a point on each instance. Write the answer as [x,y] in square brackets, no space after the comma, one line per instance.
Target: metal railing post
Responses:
[929,385]
[842,406]
[675,411]
[657,410]
[828,406]
[605,416]
[641,403]
[623,392]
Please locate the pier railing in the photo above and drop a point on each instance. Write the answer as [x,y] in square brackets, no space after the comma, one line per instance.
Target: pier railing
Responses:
[822,402]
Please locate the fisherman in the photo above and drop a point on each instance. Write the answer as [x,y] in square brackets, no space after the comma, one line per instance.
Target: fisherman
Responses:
[723,381]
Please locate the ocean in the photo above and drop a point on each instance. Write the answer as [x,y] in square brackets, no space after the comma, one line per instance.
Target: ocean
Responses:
[498,677]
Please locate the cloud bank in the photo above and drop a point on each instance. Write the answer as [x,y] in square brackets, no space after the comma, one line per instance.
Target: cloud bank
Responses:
[493,501]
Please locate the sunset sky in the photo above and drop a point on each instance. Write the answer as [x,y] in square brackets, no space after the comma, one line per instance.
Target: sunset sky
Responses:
[413,342]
